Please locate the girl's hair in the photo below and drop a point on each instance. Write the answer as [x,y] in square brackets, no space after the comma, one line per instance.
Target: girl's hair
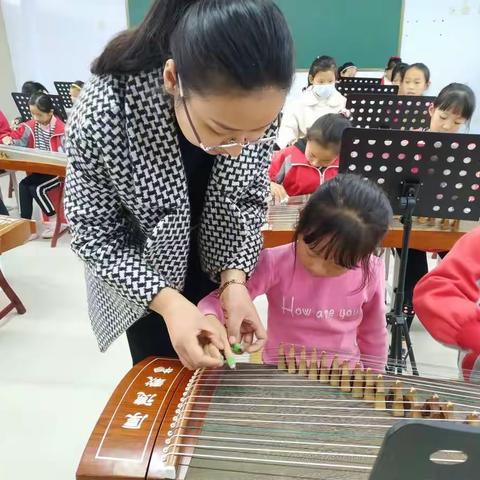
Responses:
[419,66]
[217,45]
[392,61]
[343,67]
[78,84]
[30,87]
[399,68]
[321,64]
[459,98]
[42,101]
[328,130]
[346,219]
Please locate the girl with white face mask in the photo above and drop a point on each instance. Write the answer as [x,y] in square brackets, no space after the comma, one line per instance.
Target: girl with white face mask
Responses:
[318,98]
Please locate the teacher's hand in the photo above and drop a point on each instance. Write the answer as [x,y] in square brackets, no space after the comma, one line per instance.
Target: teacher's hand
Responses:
[190,331]
[241,318]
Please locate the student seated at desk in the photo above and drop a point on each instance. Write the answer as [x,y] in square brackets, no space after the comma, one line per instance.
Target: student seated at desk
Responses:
[75,90]
[28,88]
[318,98]
[347,70]
[447,303]
[4,125]
[326,289]
[451,111]
[415,80]
[44,132]
[388,77]
[397,74]
[301,168]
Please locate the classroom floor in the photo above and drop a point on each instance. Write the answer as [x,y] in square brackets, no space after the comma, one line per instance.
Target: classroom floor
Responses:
[53,380]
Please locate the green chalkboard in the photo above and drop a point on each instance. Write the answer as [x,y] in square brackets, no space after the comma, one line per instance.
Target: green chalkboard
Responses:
[366,32]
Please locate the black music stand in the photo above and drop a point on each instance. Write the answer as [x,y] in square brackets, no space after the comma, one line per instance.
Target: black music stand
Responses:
[399,112]
[423,173]
[360,80]
[63,89]
[347,88]
[21,101]
[409,444]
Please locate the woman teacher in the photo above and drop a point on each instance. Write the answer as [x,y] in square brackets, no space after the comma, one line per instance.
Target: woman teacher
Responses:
[166,189]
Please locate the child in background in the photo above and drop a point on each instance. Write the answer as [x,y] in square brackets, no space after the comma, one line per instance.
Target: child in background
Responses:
[450,111]
[415,80]
[75,89]
[326,289]
[387,77]
[397,75]
[447,303]
[28,88]
[347,70]
[45,132]
[301,168]
[4,125]
[319,98]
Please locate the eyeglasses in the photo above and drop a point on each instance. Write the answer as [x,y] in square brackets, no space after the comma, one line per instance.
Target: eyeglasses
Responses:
[208,149]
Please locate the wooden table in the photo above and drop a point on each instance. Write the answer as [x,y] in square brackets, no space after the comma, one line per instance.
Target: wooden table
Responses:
[38,161]
[282,219]
[13,233]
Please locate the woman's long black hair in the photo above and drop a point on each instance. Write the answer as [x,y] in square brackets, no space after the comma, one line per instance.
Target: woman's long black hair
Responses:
[217,45]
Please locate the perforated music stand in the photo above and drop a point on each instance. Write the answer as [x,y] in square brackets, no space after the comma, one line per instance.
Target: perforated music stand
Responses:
[423,173]
[63,89]
[346,89]
[21,101]
[399,112]
[360,80]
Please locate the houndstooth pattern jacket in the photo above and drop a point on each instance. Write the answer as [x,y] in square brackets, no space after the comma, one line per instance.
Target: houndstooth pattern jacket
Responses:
[126,200]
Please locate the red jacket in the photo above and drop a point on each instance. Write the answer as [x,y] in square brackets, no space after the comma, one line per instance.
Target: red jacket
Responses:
[4,125]
[24,135]
[291,169]
[447,301]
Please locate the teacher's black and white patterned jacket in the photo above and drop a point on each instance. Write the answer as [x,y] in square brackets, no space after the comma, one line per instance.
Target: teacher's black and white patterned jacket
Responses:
[126,200]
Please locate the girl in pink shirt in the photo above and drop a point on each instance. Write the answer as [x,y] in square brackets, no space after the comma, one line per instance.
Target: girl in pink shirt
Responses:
[326,289]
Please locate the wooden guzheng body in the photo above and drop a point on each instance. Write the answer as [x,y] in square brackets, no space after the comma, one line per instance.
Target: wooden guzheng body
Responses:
[13,233]
[425,236]
[308,417]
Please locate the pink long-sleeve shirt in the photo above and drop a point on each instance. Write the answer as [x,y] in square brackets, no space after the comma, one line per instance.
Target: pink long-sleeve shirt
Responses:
[332,314]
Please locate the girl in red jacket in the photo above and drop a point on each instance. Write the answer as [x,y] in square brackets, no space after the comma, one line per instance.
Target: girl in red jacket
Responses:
[447,302]
[44,131]
[304,166]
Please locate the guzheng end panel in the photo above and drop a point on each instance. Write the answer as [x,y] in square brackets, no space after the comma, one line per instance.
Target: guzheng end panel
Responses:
[121,444]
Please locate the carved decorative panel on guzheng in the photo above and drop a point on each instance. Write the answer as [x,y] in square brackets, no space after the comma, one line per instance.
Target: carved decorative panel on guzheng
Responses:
[311,416]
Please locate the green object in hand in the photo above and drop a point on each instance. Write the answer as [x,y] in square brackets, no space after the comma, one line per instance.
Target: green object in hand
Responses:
[231,362]
[237,348]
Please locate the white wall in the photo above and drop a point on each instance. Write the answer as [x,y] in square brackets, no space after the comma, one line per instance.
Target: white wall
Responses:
[7,80]
[58,39]
[445,35]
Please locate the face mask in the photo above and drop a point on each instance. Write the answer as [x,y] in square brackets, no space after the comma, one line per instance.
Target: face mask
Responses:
[323,91]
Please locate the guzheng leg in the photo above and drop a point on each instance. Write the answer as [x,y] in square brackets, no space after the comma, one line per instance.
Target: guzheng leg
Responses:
[357,391]
[346,385]
[281,363]
[380,402]
[15,302]
[324,368]
[313,368]
[302,367]
[60,216]
[473,419]
[411,405]
[335,372]
[291,362]
[397,404]
[369,392]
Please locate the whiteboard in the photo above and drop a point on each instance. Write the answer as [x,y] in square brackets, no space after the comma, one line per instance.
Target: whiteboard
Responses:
[445,35]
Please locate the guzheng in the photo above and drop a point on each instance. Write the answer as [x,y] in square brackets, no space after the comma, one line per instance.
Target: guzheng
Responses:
[311,416]
[437,235]
[32,160]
